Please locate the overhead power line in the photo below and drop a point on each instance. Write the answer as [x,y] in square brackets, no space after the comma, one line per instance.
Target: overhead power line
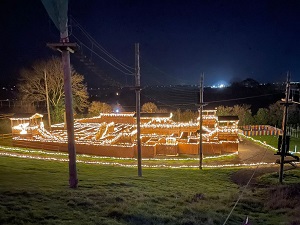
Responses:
[189,98]
[243,98]
[81,43]
[111,60]
[165,75]
[98,45]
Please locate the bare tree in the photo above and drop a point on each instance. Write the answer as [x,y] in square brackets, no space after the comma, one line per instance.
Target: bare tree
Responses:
[32,86]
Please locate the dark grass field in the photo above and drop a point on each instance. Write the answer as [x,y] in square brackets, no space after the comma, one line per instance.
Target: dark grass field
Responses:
[37,192]
[273,141]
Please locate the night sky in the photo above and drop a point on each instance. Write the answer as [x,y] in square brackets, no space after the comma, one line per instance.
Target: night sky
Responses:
[226,40]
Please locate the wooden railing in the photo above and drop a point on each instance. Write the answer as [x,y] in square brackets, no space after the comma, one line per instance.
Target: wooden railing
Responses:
[5,136]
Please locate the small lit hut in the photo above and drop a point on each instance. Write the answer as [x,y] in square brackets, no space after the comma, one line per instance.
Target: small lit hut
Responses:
[26,123]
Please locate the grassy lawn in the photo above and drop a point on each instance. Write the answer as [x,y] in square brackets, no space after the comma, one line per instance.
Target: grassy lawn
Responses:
[6,141]
[273,140]
[36,192]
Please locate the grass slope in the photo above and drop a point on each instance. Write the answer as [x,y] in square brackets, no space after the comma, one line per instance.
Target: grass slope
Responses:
[273,141]
[36,192]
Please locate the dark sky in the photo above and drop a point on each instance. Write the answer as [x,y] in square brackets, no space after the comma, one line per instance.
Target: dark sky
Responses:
[227,40]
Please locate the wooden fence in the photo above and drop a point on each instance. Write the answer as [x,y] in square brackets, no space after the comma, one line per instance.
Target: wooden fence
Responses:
[5,136]
[260,130]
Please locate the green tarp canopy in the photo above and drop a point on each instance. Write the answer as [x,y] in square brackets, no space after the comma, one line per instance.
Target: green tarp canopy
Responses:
[58,12]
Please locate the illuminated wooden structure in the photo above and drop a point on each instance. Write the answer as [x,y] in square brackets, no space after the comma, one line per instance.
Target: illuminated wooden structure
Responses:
[227,128]
[112,134]
[26,124]
[209,118]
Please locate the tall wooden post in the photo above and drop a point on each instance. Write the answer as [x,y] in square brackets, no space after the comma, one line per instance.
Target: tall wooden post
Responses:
[201,122]
[284,128]
[73,181]
[47,100]
[138,107]
[58,12]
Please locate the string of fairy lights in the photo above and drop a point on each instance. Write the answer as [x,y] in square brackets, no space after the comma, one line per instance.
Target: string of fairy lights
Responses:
[259,142]
[85,131]
[33,151]
[14,152]
[130,165]
[118,135]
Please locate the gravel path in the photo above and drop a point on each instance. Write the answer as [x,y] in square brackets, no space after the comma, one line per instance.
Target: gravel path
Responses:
[253,153]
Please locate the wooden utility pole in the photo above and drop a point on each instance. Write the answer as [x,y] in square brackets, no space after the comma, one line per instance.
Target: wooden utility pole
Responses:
[47,100]
[200,122]
[138,107]
[58,12]
[284,143]
[73,181]
[284,139]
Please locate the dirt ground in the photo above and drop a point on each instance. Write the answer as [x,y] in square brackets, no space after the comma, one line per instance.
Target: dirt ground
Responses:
[252,153]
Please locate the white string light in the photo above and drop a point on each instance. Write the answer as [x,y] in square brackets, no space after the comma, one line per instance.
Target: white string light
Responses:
[17,149]
[259,142]
[123,159]
[159,131]
[132,165]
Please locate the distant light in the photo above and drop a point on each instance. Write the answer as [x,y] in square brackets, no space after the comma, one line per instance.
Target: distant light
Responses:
[117,110]
[117,93]
[220,84]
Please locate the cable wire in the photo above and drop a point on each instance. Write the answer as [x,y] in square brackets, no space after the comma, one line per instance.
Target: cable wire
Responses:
[101,56]
[189,98]
[240,196]
[236,99]
[94,42]
[143,59]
